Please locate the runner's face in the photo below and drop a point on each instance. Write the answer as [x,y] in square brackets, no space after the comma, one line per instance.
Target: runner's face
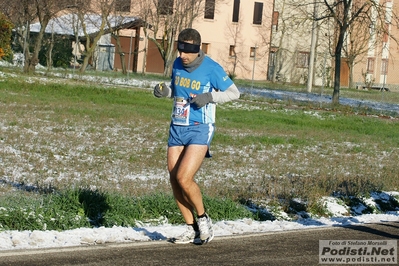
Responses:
[187,58]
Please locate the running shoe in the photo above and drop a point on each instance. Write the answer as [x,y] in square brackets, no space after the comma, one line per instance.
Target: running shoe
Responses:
[205,229]
[188,236]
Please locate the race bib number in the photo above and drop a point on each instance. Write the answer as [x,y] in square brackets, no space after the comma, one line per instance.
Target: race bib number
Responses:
[181,112]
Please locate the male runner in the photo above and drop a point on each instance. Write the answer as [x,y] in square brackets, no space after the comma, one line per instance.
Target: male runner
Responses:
[198,83]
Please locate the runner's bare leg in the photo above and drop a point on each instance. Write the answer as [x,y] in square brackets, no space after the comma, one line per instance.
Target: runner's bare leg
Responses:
[183,164]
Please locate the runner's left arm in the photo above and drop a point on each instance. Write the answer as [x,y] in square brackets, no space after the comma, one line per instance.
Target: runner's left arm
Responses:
[232,93]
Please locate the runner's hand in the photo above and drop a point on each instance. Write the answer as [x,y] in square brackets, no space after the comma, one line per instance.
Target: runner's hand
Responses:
[202,99]
[161,90]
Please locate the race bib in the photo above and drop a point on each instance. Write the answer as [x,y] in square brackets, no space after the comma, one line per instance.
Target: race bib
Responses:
[181,111]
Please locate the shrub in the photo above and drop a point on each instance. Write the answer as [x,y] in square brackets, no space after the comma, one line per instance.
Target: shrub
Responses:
[5,37]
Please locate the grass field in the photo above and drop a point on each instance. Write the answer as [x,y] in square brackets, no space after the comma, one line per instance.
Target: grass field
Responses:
[62,136]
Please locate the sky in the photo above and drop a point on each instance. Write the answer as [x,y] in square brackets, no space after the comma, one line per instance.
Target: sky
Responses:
[161,229]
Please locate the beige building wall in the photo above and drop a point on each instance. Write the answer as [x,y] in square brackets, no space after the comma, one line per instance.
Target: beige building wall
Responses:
[380,66]
[219,34]
[291,41]
[217,37]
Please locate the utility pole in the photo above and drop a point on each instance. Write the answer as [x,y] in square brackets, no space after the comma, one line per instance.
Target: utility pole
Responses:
[253,67]
[312,49]
[253,71]
[130,53]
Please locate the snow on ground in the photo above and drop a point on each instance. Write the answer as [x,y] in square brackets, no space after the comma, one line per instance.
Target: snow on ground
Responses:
[13,240]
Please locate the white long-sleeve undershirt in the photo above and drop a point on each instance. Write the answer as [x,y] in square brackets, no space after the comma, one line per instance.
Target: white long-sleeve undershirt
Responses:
[228,95]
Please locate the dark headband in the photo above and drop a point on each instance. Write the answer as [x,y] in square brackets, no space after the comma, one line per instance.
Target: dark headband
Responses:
[188,47]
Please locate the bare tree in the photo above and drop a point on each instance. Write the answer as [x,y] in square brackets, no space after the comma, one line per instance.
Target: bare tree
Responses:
[85,18]
[45,11]
[290,54]
[358,41]
[347,13]
[119,51]
[263,41]
[120,8]
[167,18]
[281,28]
[236,38]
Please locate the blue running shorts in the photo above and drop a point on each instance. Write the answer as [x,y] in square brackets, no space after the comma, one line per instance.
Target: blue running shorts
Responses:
[200,134]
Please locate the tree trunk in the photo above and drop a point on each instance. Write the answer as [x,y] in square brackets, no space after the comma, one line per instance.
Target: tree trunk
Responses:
[90,48]
[31,61]
[27,59]
[38,44]
[120,52]
[123,62]
[85,63]
[50,53]
[169,59]
[337,74]
[335,96]
[350,66]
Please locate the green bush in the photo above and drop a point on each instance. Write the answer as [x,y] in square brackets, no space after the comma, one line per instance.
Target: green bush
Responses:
[61,52]
[5,37]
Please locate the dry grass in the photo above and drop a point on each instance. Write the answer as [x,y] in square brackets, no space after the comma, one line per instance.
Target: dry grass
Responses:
[58,137]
